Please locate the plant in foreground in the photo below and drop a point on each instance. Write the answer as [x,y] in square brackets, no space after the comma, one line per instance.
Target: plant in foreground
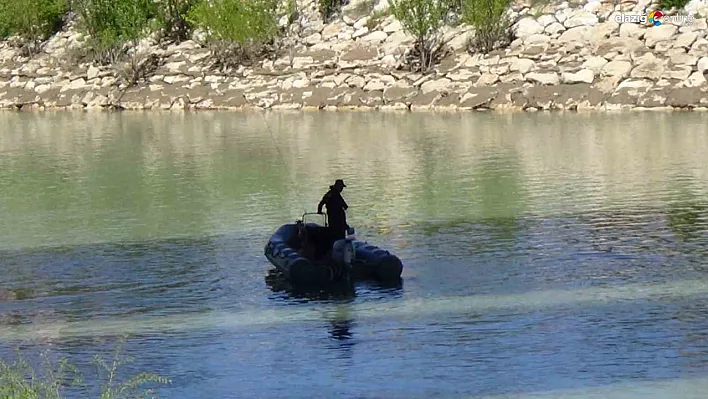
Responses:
[18,380]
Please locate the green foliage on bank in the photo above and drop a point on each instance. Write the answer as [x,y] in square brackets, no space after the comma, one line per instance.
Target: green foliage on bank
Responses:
[328,8]
[666,5]
[237,31]
[423,20]
[50,380]
[31,20]
[172,19]
[490,21]
[110,24]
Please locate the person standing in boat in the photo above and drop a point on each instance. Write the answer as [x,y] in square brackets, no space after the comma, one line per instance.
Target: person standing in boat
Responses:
[336,207]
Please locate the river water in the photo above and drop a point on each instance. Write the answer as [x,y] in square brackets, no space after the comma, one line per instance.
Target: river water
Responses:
[545,255]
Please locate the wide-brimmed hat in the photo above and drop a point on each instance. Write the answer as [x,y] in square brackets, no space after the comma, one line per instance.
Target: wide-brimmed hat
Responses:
[339,183]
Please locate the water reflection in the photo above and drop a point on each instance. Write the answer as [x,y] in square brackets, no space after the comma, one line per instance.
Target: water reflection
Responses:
[341,322]
[278,284]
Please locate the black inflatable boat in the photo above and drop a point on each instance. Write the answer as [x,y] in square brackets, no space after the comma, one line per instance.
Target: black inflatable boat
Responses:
[305,254]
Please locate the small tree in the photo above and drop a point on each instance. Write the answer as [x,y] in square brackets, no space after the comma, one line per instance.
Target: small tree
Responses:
[110,24]
[490,22]
[32,20]
[238,31]
[423,19]
[173,18]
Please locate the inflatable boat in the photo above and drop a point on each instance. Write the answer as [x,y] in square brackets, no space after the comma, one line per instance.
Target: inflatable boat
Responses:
[305,253]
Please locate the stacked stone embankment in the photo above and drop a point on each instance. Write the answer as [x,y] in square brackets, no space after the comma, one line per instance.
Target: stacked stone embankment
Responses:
[564,57]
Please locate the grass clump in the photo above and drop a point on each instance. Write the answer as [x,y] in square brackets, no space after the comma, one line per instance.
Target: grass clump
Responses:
[423,19]
[31,21]
[376,17]
[670,4]
[19,380]
[238,32]
[491,24]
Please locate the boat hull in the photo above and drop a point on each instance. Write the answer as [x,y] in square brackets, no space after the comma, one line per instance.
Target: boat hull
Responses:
[369,261]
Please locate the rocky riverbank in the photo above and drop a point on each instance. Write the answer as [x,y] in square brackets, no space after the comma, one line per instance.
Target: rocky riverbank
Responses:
[564,57]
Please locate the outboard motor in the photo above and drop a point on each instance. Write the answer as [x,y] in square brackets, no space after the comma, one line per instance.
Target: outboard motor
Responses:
[343,256]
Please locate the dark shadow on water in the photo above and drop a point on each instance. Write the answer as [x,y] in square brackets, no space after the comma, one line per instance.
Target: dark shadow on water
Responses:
[279,284]
[334,292]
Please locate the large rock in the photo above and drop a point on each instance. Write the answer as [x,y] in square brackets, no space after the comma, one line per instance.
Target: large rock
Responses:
[678,56]
[579,35]
[375,37]
[537,39]
[698,24]
[522,65]
[648,67]
[697,79]
[594,64]
[527,27]
[462,75]
[678,72]
[546,19]
[621,45]
[659,34]
[554,28]
[632,30]
[699,48]
[425,101]
[440,85]
[617,68]
[393,94]
[487,79]
[581,18]
[357,57]
[582,76]
[544,78]
[703,65]
[478,98]
[686,39]
[332,30]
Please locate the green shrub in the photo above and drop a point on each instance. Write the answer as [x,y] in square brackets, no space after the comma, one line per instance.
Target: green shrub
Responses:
[32,20]
[328,8]
[238,31]
[173,18]
[490,22]
[111,24]
[375,18]
[669,4]
[423,19]
[291,11]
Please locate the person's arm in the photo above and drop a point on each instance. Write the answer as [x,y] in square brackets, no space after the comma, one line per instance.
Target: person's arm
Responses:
[344,203]
[322,202]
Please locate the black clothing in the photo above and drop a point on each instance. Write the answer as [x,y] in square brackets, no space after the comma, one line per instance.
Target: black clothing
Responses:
[336,216]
